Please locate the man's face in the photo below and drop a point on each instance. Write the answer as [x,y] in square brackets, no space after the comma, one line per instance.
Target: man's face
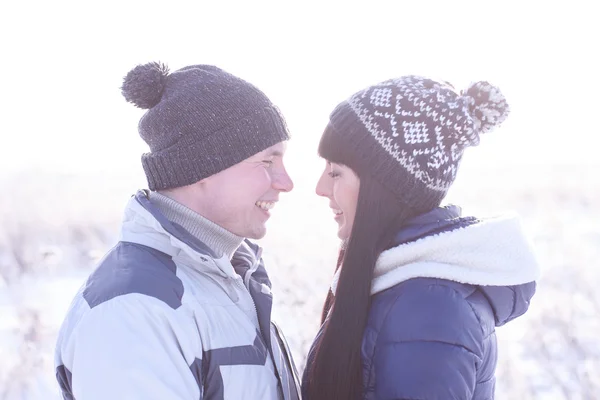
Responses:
[240,197]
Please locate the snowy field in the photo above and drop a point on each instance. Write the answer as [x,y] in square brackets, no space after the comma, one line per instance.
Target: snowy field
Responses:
[53,228]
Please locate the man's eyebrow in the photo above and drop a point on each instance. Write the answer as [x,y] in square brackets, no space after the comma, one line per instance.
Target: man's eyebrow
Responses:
[274,153]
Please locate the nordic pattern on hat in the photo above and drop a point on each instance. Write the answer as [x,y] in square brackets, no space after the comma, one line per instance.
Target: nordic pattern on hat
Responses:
[425,125]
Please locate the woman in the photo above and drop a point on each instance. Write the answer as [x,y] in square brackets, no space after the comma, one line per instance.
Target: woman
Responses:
[419,288]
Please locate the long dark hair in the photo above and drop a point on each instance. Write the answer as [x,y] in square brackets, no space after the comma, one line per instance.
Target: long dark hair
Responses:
[336,372]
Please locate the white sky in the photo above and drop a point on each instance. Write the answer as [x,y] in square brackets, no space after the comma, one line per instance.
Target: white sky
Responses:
[63,63]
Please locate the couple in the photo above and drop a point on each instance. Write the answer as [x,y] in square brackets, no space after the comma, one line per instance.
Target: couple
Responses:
[180,307]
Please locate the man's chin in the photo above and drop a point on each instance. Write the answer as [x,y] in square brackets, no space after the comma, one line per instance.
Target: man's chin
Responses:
[257,233]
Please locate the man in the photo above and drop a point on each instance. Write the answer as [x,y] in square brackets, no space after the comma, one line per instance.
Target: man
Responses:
[180,307]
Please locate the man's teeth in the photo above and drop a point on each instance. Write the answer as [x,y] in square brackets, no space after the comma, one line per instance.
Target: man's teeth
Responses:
[265,205]
[337,212]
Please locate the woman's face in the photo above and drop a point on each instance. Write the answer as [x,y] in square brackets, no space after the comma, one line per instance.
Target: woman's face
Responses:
[340,185]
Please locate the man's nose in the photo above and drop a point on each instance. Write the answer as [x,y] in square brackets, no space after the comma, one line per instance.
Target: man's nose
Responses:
[283,182]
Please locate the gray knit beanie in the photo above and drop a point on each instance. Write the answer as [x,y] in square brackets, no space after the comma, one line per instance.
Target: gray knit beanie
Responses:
[410,133]
[200,120]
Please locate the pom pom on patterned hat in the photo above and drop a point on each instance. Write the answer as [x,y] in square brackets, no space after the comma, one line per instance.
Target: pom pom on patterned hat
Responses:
[487,106]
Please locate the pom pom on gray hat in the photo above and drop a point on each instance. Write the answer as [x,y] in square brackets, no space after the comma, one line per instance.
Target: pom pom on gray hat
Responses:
[143,85]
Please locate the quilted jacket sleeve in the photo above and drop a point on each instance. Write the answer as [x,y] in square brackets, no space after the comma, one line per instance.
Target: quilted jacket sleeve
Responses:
[429,347]
[133,347]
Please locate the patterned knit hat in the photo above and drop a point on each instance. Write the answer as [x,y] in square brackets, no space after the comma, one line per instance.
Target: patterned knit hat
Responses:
[409,133]
[200,120]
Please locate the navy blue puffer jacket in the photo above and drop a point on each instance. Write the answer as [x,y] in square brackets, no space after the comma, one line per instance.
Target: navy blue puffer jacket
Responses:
[435,339]
[437,297]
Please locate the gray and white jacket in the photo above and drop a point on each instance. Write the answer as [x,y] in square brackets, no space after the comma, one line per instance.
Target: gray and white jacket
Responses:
[162,317]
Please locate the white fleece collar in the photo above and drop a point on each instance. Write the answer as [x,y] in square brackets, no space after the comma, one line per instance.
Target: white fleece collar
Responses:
[493,252]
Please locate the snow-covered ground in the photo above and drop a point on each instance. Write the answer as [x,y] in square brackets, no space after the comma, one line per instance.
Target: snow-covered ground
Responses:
[53,228]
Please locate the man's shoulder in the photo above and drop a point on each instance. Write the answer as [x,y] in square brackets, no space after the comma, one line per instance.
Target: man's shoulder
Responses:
[130,268]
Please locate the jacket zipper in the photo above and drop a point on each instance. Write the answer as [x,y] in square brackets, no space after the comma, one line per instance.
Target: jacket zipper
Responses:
[269,355]
[240,284]
[288,358]
[252,269]
[247,277]
[246,282]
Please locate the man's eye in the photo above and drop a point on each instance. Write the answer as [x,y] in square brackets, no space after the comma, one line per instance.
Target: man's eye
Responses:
[333,174]
[268,162]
